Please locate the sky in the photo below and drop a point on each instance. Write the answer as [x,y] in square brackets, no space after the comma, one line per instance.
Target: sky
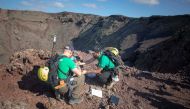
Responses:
[130,8]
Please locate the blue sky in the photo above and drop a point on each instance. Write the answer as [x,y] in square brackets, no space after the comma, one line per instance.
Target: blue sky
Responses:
[131,8]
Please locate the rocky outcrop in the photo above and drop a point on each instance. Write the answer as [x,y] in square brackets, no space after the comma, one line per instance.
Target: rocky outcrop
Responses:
[23,62]
[14,104]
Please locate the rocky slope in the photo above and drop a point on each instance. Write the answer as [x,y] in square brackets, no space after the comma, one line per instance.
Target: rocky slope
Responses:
[22,30]
[21,89]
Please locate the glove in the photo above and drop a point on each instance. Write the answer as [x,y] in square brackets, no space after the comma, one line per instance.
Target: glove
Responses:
[61,84]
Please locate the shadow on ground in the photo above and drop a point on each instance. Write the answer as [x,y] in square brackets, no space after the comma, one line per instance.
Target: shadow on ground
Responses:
[157,101]
[31,83]
[40,105]
[92,81]
[168,81]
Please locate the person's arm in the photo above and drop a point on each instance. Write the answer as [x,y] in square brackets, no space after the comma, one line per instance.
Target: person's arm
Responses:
[100,66]
[97,70]
[73,67]
[78,72]
[80,63]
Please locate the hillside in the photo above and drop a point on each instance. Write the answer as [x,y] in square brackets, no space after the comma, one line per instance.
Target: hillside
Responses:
[22,30]
[21,89]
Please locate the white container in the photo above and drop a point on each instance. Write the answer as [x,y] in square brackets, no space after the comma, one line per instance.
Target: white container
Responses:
[115,78]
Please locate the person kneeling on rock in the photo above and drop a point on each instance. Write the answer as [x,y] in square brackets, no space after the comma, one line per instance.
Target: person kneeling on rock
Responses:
[64,76]
[105,71]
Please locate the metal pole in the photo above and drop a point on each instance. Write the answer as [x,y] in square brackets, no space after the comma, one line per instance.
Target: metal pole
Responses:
[54,42]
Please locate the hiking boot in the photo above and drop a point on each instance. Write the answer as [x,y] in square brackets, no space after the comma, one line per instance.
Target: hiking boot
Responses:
[58,96]
[61,99]
[75,100]
[109,86]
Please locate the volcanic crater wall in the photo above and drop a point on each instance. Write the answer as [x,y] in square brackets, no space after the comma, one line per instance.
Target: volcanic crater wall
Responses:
[137,38]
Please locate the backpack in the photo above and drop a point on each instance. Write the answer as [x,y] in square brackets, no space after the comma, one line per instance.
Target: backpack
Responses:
[116,59]
[53,68]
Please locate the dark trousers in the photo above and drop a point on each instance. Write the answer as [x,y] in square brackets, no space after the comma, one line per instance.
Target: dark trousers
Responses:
[105,77]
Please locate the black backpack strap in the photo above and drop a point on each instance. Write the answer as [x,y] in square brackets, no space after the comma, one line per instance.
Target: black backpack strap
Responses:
[109,55]
[53,79]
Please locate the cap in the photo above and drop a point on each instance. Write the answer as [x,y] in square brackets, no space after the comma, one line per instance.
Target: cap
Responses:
[69,48]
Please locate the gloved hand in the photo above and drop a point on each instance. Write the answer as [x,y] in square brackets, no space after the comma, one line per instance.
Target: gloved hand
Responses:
[61,84]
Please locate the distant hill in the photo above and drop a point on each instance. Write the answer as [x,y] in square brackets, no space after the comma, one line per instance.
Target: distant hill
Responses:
[135,37]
